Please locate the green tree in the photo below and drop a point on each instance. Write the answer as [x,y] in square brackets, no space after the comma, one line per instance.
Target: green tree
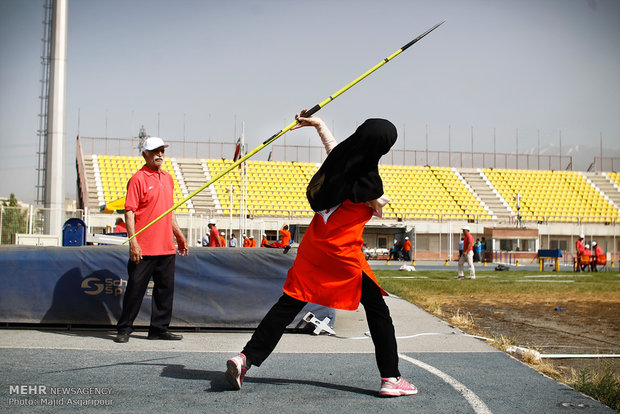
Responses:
[12,220]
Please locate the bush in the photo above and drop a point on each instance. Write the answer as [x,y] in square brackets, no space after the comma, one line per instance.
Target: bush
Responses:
[603,386]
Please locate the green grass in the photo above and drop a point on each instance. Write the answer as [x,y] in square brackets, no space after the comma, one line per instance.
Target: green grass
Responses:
[604,386]
[427,288]
[416,286]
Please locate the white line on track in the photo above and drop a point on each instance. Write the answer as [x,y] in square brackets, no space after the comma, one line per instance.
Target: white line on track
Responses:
[476,403]
[547,276]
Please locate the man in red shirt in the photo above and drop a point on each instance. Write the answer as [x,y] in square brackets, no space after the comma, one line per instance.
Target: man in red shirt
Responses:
[152,253]
[214,235]
[468,254]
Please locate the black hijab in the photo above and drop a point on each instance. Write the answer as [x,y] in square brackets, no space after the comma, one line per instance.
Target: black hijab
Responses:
[351,170]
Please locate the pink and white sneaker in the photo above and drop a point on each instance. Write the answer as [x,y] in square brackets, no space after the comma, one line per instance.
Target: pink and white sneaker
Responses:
[236,369]
[395,387]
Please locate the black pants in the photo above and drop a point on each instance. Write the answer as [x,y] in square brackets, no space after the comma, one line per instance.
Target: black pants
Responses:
[161,268]
[271,328]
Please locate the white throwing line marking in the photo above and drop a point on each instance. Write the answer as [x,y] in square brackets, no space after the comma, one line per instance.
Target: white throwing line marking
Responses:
[476,403]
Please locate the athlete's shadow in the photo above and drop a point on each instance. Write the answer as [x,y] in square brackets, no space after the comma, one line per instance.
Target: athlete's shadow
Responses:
[219,383]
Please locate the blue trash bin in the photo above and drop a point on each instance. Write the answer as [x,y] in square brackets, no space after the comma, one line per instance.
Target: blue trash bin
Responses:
[74,232]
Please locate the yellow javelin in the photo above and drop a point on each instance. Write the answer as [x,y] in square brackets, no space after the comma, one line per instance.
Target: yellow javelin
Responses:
[277,135]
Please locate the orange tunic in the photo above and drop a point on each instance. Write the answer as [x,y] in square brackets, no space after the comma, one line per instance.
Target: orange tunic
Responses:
[329,263]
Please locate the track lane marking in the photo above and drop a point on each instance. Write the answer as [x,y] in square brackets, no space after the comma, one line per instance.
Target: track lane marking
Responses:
[476,403]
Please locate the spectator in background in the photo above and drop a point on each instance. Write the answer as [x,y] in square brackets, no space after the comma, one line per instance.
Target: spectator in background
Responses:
[286,235]
[587,257]
[120,226]
[214,235]
[483,249]
[246,241]
[223,239]
[264,242]
[286,240]
[252,241]
[477,250]
[205,240]
[597,252]
[468,255]
[394,251]
[461,248]
[579,251]
[407,249]
[232,242]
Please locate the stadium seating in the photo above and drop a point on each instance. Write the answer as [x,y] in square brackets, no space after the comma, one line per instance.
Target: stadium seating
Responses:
[273,188]
[113,171]
[558,196]
[428,193]
[277,189]
[615,177]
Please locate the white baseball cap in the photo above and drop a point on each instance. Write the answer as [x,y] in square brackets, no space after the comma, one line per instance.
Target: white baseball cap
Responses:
[152,143]
[212,222]
[465,228]
[581,236]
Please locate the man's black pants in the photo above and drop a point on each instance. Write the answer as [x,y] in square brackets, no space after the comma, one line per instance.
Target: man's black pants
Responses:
[161,268]
[271,328]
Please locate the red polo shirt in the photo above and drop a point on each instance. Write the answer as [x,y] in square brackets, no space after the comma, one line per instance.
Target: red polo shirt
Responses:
[149,194]
[468,242]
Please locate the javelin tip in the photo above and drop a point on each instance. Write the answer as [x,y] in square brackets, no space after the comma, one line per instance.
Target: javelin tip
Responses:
[422,35]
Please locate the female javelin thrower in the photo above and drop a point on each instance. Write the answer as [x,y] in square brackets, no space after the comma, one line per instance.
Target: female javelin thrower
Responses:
[330,268]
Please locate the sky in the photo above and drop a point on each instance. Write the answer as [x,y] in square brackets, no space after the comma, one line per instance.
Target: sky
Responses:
[542,70]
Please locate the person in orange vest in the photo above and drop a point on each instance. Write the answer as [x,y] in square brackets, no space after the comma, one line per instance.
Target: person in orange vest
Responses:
[286,235]
[407,249]
[223,239]
[286,240]
[596,253]
[586,254]
[252,241]
[330,268]
[246,241]
[264,242]
[579,251]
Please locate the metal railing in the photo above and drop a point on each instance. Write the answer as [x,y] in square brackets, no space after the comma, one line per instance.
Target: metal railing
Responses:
[28,220]
[32,220]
